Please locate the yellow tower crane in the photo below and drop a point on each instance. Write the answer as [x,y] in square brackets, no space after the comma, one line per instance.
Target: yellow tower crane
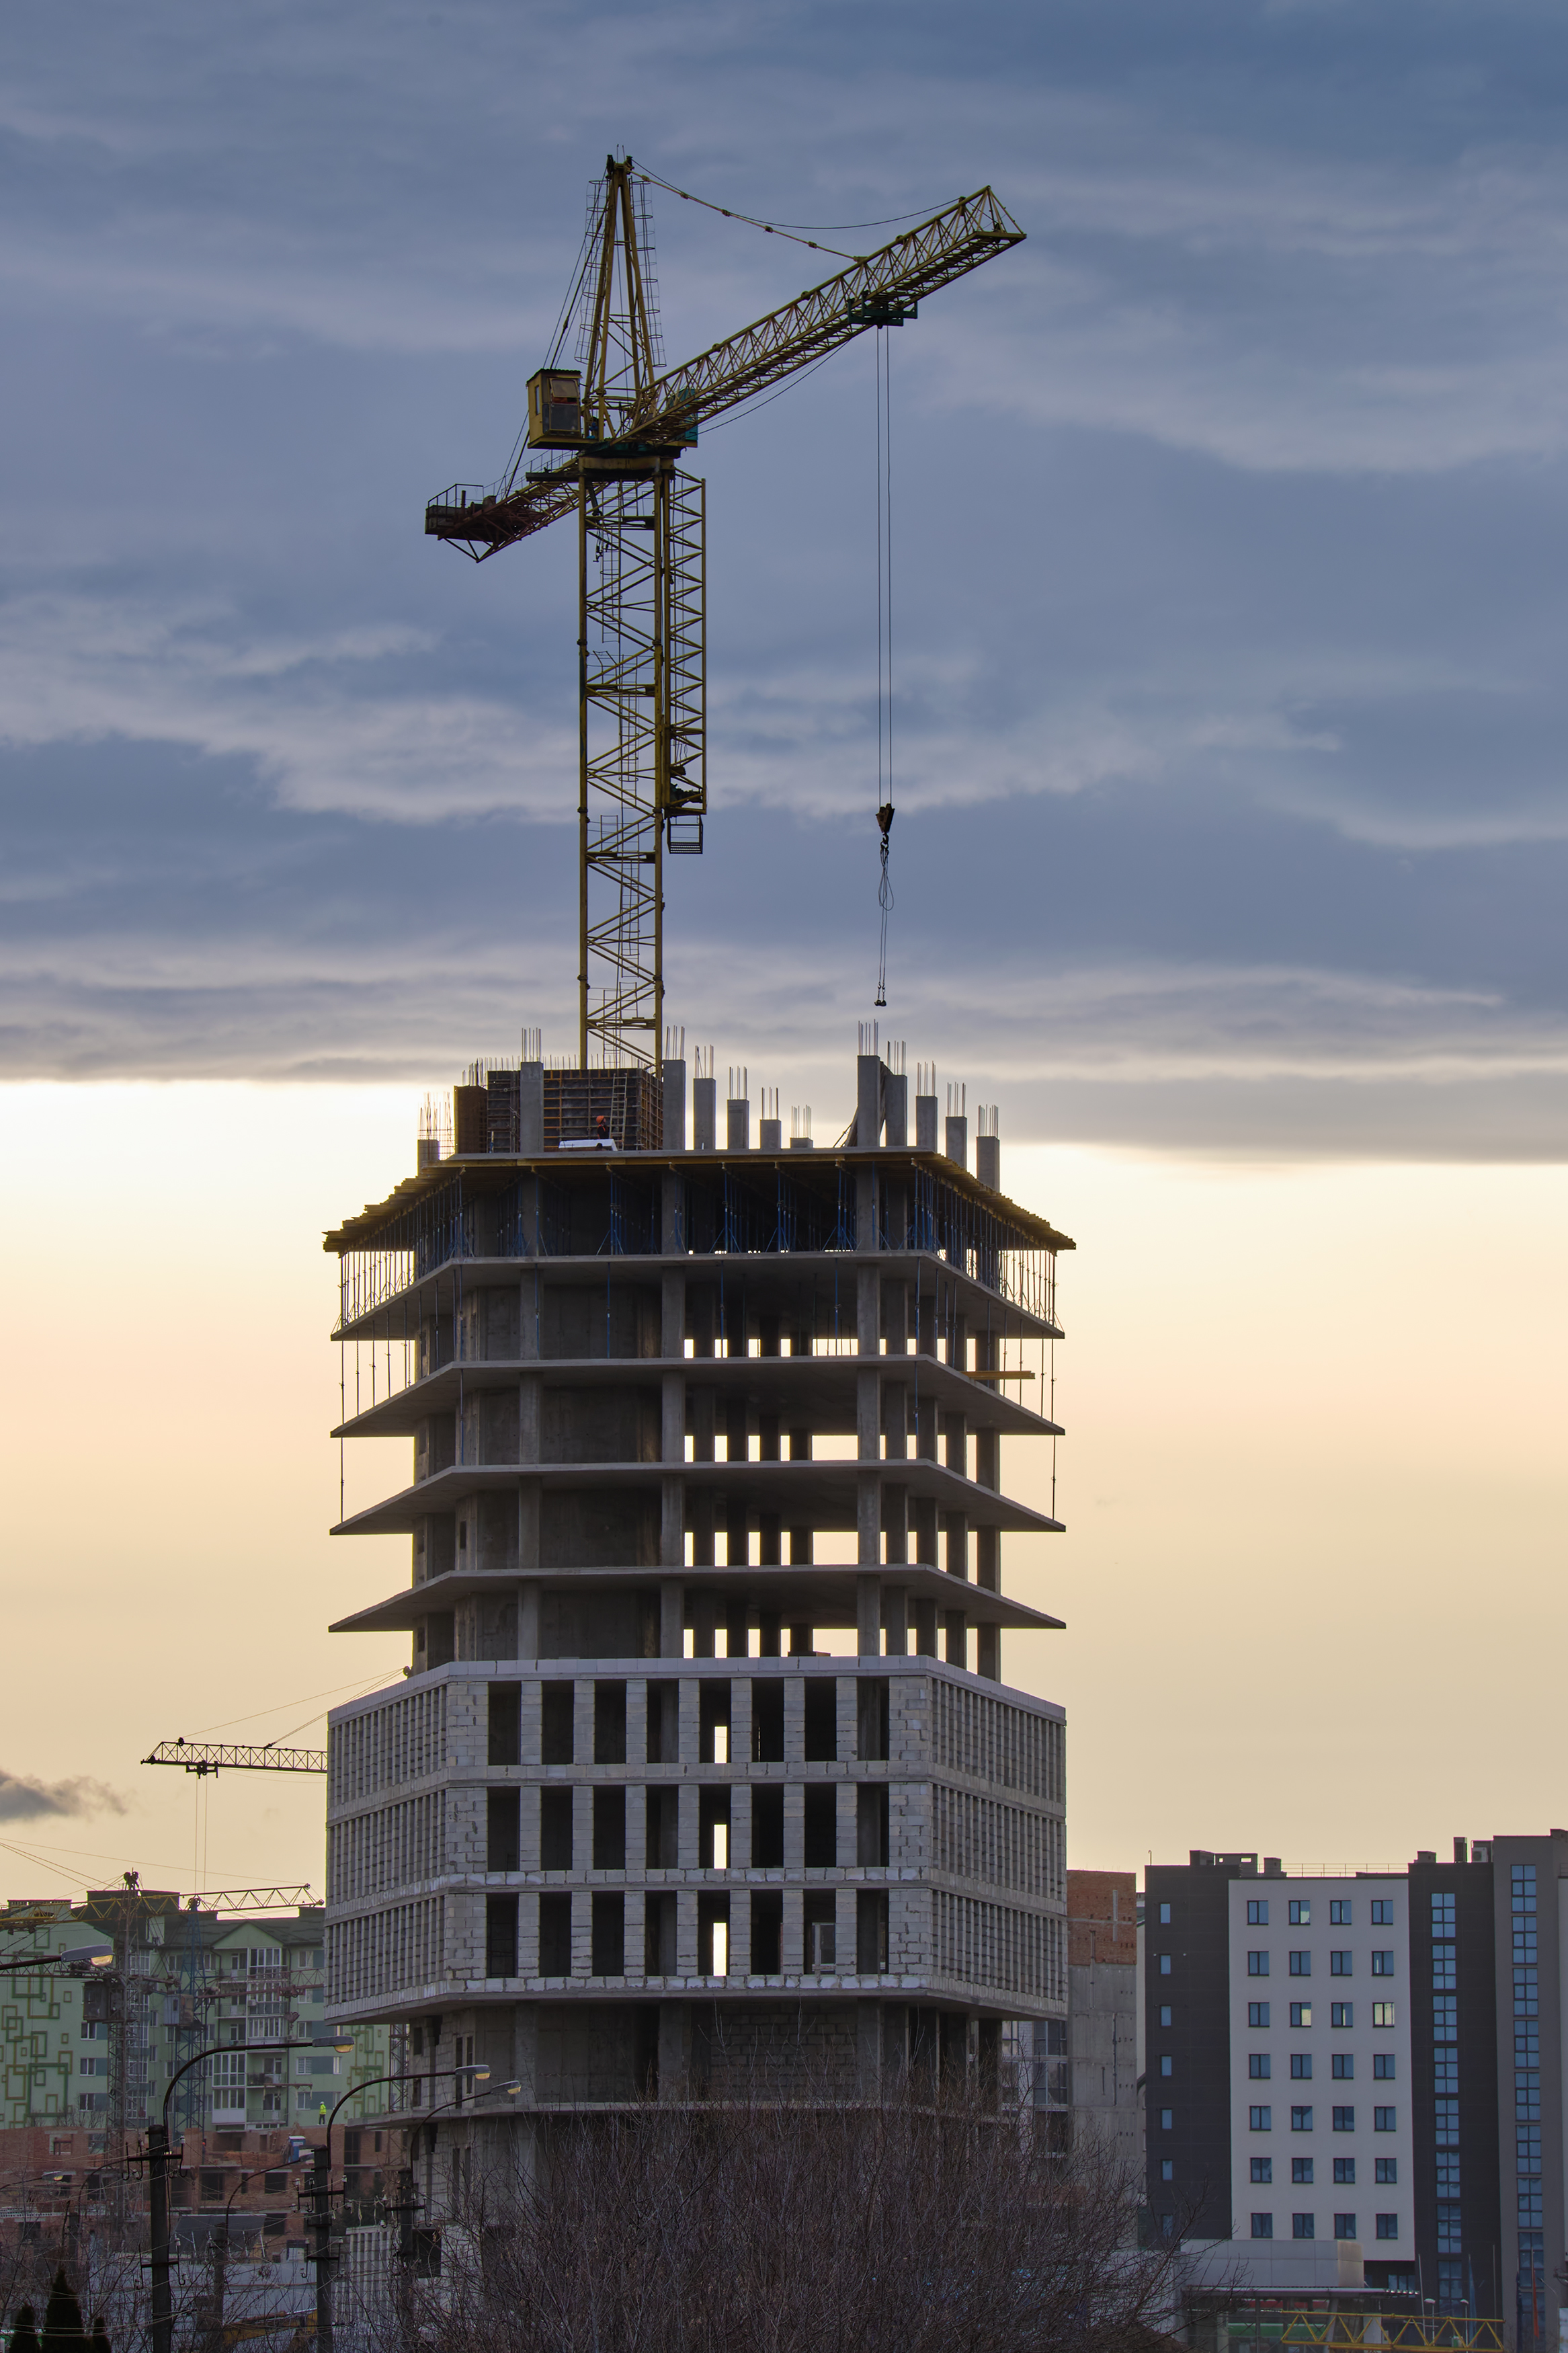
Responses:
[621,422]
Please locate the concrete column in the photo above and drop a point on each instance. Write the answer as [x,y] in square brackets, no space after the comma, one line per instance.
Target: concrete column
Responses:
[704,1114]
[956,1638]
[988,1161]
[671,1619]
[531,1109]
[801,1539]
[866,1235]
[955,1534]
[793,1940]
[868,1616]
[740,1753]
[896,1109]
[528,1619]
[895,1523]
[922,1518]
[896,1420]
[802,1641]
[925,1628]
[895,1318]
[958,1140]
[674,1105]
[988,1652]
[675,2017]
[703,1607]
[925,1123]
[896,1619]
[869,1520]
[737,1123]
[868,1082]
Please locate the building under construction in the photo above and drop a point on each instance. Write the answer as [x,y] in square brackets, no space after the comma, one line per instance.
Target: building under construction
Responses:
[703,1777]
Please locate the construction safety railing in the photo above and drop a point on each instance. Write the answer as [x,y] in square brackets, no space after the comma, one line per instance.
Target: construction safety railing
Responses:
[1383,2332]
[733,1212]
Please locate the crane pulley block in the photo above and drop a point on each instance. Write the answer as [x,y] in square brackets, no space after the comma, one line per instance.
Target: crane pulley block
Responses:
[881,310]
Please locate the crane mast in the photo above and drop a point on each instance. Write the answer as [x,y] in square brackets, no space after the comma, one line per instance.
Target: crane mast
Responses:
[622,422]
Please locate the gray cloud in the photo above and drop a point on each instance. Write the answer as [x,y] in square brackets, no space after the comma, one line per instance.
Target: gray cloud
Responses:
[22,1800]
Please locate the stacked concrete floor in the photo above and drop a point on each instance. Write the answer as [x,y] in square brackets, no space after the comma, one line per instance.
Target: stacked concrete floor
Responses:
[627,1829]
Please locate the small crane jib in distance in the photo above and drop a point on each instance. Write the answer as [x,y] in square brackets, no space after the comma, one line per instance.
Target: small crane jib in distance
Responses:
[621,422]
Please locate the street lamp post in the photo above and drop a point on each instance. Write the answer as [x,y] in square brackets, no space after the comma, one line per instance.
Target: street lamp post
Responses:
[158,2167]
[321,2216]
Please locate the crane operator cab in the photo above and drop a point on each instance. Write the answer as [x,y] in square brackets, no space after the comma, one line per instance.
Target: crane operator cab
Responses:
[555,408]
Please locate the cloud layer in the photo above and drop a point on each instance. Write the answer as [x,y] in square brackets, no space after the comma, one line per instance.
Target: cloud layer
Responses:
[1227,526]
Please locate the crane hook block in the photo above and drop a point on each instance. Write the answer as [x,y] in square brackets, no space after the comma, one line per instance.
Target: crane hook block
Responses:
[885,818]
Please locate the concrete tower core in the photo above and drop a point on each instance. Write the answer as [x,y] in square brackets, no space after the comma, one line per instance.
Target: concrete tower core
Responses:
[625,1830]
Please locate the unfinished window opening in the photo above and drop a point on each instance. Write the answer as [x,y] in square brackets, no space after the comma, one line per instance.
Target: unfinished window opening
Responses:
[767,1720]
[555,1935]
[556,1830]
[821,1938]
[767,1829]
[821,1719]
[608,1936]
[822,1827]
[609,1723]
[555,1743]
[767,1934]
[659,1936]
[713,1829]
[501,1830]
[664,1724]
[871,1932]
[609,1835]
[713,1721]
[713,1935]
[871,1719]
[663,1848]
[871,1825]
[504,1729]
[501,1936]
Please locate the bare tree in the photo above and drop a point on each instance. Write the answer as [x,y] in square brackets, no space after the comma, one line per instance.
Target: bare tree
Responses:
[833,2227]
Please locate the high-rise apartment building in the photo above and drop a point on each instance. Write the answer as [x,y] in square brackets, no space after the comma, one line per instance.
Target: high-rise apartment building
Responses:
[702,1776]
[1412,2104]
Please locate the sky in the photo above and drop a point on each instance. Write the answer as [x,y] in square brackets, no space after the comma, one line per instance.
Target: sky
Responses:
[1227,520]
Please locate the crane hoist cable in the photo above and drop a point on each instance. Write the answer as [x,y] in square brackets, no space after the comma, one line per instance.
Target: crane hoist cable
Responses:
[884,642]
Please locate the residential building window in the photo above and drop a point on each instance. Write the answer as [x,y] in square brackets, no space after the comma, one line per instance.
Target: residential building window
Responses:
[1386,2169]
[1300,1913]
[1344,2169]
[1263,2226]
[1257,1910]
[1301,2169]
[1451,2296]
[1345,2067]
[1167,2168]
[1382,1912]
[1257,1965]
[1263,2168]
[1166,2119]
[1446,2123]
[1383,2014]
[1443,1913]
[1300,2013]
[1344,2226]
[1260,2120]
[1449,2239]
[1383,2120]
[1383,2066]
[1164,1915]
[1443,1978]
[1300,2067]
[1344,2120]
[1258,2066]
[1258,2013]
[1300,2119]
[1303,2226]
[1388,2226]
[1383,1965]
[1300,1964]
[1164,1965]
[1165,2014]
[1341,2013]
[1165,2068]
[1339,1912]
[1340,1966]
[1447,2173]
